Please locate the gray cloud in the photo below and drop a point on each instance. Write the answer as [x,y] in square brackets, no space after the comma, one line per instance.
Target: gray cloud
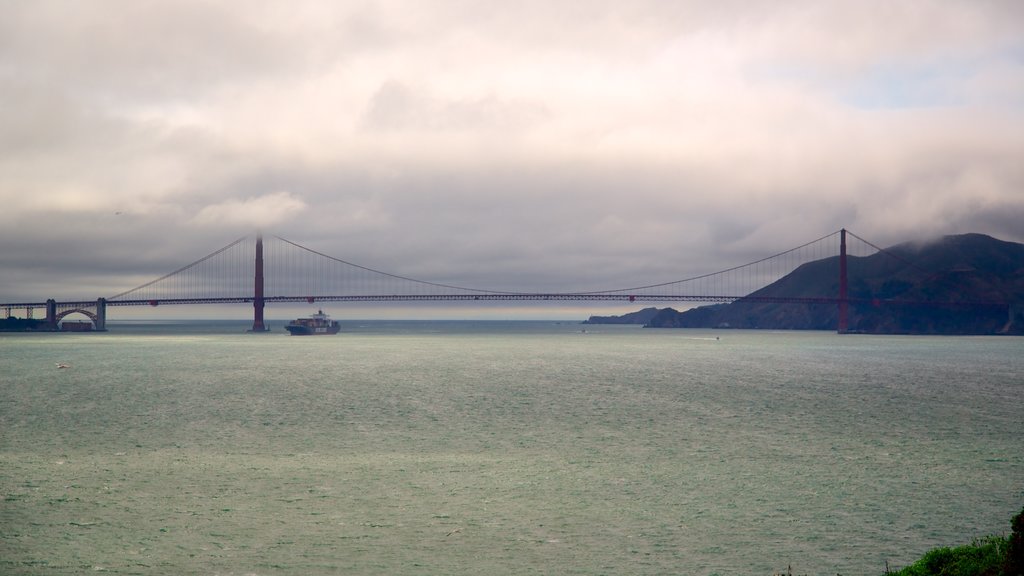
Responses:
[396,107]
[531,145]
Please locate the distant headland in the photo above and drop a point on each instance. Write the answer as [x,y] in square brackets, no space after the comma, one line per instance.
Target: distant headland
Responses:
[961,284]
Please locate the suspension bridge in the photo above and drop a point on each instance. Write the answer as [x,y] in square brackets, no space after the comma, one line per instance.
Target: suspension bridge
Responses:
[278,270]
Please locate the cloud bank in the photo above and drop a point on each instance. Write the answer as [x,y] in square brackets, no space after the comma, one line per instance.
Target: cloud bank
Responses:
[564,145]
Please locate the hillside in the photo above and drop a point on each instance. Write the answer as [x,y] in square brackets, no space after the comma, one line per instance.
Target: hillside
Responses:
[639,317]
[963,284]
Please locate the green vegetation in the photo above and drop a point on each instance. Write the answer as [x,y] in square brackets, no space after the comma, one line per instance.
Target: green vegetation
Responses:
[983,557]
[992,556]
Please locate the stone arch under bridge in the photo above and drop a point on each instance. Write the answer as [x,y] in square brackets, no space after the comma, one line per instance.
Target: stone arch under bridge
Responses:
[93,317]
[97,313]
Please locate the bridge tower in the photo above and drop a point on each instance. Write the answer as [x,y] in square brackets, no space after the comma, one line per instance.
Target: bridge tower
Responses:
[100,322]
[51,313]
[257,300]
[843,326]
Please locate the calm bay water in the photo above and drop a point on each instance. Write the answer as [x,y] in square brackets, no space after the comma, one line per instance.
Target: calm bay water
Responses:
[502,448]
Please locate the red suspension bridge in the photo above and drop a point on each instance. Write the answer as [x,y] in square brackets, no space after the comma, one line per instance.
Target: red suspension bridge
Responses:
[279,270]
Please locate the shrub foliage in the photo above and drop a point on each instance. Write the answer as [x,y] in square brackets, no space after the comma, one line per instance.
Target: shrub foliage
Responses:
[992,556]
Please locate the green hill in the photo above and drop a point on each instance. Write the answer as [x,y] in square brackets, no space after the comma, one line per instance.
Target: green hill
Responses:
[963,284]
[640,317]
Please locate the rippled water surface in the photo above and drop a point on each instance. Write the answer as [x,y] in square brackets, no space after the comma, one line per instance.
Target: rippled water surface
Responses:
[501,448]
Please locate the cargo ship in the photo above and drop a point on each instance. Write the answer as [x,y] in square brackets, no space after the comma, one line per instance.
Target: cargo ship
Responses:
[316,325]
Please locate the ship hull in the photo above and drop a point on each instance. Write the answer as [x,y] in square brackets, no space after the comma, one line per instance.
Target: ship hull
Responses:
[318,324]
[312,331]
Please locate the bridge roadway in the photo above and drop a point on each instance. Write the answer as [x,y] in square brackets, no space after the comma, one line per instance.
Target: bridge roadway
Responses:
[505,297]
[508,297]
[71,305]
[95,310]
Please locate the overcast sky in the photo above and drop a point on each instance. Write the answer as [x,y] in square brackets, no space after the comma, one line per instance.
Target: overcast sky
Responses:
[577,144]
